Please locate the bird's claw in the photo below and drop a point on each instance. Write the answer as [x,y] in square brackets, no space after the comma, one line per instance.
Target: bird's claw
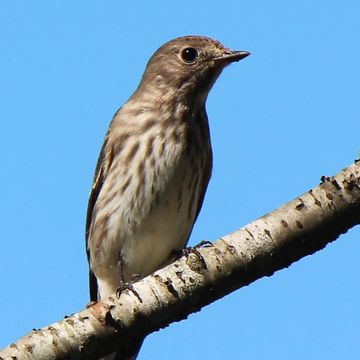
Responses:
[204,243]
[127,286]
[193,250]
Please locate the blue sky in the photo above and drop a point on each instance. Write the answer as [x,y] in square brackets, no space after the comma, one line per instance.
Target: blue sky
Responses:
[280,119]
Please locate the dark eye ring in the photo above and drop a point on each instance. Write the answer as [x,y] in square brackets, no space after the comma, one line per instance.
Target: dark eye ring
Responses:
[189,55]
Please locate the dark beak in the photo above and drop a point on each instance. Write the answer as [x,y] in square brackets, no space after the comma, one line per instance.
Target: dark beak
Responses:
[231,56]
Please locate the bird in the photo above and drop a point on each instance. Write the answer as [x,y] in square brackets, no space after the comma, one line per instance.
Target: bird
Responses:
[154,168]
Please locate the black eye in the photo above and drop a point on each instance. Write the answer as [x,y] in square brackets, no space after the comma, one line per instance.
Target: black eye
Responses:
[189,55]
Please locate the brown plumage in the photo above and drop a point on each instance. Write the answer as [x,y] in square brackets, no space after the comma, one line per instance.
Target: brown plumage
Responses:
[154,166]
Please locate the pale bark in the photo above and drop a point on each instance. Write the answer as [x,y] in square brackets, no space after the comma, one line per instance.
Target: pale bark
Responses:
[274,241]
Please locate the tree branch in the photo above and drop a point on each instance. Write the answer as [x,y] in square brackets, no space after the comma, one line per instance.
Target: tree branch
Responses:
[274,241]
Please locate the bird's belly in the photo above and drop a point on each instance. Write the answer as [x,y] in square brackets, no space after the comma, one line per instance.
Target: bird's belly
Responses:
[139,251]
[149,223]
[163,231]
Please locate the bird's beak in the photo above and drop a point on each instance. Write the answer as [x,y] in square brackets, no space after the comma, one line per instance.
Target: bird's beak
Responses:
[230,56]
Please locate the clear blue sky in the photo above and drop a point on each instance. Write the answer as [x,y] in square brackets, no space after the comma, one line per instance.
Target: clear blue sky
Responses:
[279,120]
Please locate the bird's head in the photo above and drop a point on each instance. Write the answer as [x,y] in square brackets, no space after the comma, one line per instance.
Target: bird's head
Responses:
[187,67]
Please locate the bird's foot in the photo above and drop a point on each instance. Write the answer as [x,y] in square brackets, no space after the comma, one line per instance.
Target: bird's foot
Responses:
[204,243]
[193,250]
[127,286]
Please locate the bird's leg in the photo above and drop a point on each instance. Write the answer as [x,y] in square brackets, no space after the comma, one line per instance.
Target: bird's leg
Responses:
[126,285]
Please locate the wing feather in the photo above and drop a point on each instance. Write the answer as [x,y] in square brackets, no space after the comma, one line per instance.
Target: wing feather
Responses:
[102,168]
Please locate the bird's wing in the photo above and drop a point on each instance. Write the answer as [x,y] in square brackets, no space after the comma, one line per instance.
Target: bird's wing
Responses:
[102,168]
[208,166]
[205,182]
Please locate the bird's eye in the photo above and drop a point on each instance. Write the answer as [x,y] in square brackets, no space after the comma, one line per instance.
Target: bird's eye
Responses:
[189,55]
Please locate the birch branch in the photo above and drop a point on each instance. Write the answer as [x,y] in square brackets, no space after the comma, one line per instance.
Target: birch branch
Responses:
[276,240]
